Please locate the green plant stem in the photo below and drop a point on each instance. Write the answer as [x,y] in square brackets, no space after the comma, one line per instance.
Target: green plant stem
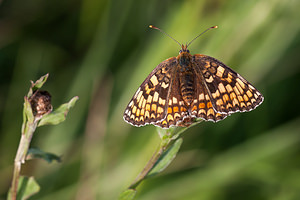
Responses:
[155,157]
[21,155]
[167,139]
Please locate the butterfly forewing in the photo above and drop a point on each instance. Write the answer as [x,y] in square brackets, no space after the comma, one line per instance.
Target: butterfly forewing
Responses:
[149,104]
[229,92]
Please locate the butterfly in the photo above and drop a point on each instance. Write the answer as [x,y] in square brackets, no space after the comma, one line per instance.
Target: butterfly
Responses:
[182,89]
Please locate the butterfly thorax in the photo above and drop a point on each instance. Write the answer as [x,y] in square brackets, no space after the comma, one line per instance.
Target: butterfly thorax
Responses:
[186,76]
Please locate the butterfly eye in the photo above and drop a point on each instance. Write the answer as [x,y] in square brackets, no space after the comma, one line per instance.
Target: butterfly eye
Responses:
[188,51]
[180,51]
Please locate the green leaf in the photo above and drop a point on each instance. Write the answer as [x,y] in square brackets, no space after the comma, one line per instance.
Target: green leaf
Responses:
[166,158]
[58,115]
[165,133]
[28,110]
[37,85]
[28,117]
[27,187]
[127,194]
[37,153]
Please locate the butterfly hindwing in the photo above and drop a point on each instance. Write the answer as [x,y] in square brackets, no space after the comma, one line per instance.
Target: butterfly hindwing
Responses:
[176,109]
[149,103]
[202,106]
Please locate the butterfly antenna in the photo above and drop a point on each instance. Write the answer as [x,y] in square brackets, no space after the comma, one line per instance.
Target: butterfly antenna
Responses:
[202,34]
[150,26]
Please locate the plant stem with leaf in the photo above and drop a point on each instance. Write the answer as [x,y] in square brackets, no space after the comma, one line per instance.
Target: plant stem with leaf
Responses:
[37,112]
[24,144]
[149,166]
[162,157]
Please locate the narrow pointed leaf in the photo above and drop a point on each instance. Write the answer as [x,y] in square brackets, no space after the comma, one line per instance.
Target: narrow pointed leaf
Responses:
[37,153]
[58,115]
[27,187]
[166,158]
[37,85]
[127,194]
[28,111]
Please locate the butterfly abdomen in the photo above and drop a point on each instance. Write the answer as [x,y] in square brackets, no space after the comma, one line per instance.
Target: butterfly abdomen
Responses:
[186,77]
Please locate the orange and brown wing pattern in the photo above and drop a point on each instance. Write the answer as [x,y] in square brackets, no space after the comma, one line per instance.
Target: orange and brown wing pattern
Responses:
[177,111]
[202,106]
[182,89]
[228,91]
[149,103]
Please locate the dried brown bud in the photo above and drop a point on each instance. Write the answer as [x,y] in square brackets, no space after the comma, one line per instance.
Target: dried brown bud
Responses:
[40,103]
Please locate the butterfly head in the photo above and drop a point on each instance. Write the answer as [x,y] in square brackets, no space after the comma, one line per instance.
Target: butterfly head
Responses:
[184,49]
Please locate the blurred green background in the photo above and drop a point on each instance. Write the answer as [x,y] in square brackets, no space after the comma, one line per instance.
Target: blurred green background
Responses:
[102,50]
